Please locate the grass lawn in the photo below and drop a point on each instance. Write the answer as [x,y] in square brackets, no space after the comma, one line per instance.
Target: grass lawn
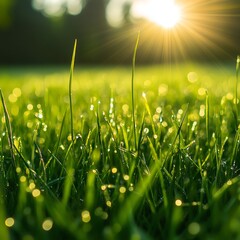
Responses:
[77,165]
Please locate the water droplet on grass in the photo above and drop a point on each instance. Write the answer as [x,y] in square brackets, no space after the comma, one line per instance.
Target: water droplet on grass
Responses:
[114,170]
[122,189]
[32,186]
[47,224]
[178,203]
[109,203]
[229,182]
[36,193]
[126,177]
[91,107]
[146,130]
[30,107]
[86,217]
[23,179]
[9,222]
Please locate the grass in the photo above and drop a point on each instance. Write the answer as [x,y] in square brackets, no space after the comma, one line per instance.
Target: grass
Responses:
[104,157]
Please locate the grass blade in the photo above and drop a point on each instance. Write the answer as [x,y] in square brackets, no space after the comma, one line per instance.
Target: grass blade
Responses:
[207,118]
[8,127]
[236,90]
[175,139]
[133,103]
[70,87]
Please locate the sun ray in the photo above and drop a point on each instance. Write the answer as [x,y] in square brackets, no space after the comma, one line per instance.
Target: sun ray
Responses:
[205,31]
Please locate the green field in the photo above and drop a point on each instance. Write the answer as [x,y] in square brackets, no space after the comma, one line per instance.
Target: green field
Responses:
[100,169]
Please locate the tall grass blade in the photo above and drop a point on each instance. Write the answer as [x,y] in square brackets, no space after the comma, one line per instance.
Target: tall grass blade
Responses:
[207,118]
[133,103]
[236,90]
[70,87]
[8,128]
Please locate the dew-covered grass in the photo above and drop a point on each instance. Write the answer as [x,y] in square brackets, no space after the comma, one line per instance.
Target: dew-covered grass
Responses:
[93,175]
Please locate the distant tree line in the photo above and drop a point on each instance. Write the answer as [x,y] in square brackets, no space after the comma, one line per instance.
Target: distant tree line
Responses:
[29,37]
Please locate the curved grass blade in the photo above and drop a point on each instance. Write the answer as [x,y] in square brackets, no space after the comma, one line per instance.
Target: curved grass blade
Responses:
[70,87]
[8,128]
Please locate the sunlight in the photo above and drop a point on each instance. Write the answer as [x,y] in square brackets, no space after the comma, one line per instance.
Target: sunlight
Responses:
[56,8]
[165,13]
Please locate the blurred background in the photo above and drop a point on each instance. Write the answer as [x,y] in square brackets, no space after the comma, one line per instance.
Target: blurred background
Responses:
[43,31]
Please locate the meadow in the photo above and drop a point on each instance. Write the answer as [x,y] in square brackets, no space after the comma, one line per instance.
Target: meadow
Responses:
[97,154]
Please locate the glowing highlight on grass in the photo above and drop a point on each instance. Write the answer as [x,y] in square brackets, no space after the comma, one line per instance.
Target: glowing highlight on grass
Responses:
[114,170]
[109,203]
[178,203]
[47,225]
[9,222]
[36,193]
[86,217]
[23,179]
[122,189]
[126,177]
[32,186]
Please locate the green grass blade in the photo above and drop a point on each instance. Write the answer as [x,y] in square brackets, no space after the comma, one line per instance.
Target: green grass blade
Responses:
[149,112]
[225,187]
[175,139]
[133,102]
[70,88]
[207,118]
[8,127]
[56,148]
[236,90]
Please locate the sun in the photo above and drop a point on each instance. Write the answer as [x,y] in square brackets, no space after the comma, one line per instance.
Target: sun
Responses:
[165,13]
